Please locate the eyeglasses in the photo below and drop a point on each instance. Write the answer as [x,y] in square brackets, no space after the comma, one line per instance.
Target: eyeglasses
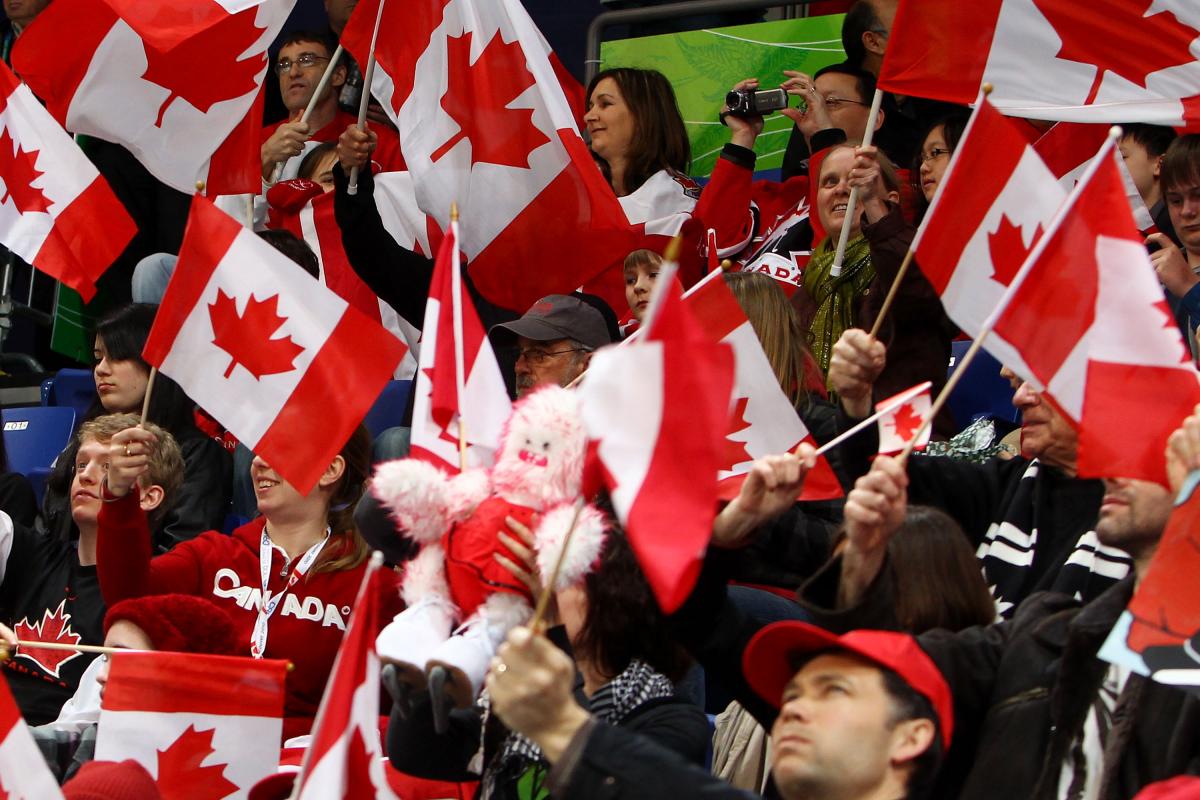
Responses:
[934,154]
[535,357]
[304,61]
[833,102]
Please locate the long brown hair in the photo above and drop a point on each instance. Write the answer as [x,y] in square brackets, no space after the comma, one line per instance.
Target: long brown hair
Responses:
[938,583]
[346,548]
[780,332]
[660,139]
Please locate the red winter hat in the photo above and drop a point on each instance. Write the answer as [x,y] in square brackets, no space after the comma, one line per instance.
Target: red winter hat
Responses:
[111,780]
[181,623]
[770,660]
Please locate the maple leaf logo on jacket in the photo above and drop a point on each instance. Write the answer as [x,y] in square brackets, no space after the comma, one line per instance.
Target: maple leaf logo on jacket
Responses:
[176,69]
[180,774]
[1116,40]
[1007,250]
[498,134]
[19,173]
[54,626]
[247,337]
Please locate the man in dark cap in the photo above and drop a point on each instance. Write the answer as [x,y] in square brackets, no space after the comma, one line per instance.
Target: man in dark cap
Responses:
[554,339]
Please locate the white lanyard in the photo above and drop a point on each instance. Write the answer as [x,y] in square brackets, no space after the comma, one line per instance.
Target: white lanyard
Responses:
[266,608]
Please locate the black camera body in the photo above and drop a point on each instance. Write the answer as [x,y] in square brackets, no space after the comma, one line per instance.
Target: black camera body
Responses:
[750,103]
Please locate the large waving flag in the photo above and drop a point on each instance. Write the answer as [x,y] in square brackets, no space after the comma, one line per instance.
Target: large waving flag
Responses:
[458,379]
[56,211]
[23,770]
[473,91]
[1086,334]
[204,727]
[345,757]
[1100,61]
[763,422]
[189,112]
[659,463]
[265,348]
[994,202]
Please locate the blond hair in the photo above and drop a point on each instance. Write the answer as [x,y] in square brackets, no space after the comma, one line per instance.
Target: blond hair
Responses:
[166,460]
[777,324]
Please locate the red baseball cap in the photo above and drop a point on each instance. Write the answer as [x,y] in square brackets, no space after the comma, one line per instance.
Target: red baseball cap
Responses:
[771,659]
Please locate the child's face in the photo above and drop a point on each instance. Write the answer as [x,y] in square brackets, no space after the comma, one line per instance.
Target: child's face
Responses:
[1142,166]
[323,174]
[639,281]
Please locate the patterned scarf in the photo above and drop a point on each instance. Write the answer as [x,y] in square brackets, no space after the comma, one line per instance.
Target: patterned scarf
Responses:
[520,760]
[835,298]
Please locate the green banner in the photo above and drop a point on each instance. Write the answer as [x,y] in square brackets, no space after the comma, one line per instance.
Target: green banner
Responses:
[703,65]
[74,322]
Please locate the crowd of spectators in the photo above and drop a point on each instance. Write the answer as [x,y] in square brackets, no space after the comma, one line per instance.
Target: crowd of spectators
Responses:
[933,634]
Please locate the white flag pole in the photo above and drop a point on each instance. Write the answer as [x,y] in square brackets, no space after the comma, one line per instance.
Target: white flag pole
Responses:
[365,100]
[460,378]
[852,202]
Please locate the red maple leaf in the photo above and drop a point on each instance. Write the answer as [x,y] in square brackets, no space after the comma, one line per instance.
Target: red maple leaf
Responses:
[55,627]
[180,774]
[1007,249]
[247,337]
[358,768]
[181,69]
[906,421]
[18,171]
[1120,38]
[477,95]
[734,452]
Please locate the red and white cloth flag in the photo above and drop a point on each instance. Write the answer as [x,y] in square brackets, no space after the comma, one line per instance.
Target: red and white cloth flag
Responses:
[656,412]
[995,200]
[763,422]
[266,349]
[1098,337]
[56,212]
[444,397]
[904,414]
[188,113]
[167,25]
[314,222]
[1102,61]
[203,726]
[345,756]
[23,770]
[474,93]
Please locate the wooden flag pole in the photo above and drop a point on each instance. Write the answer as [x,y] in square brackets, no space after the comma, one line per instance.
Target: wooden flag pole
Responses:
[539,614]
[146,399]
[312,102]
[891,295]
[365,100]
[960,369]
[852,202]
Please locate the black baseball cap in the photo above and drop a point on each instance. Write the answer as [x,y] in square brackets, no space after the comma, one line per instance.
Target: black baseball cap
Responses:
[556,316]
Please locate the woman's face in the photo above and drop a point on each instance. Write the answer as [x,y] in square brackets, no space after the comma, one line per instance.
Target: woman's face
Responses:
[609,120]
[935,156]
[639,281]
[833,190]
[120,384]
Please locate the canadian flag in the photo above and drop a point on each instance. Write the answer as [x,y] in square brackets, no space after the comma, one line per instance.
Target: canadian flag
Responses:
[474,94]
[901,416]
[23,771]
[995,200]
[344,758]
[458,379]
[203,726]
[656,412]
[56,212]
[1068,147]
[190,112]
[314,223]
[1089,333]
[763,422]
[1100,61]
[266,349]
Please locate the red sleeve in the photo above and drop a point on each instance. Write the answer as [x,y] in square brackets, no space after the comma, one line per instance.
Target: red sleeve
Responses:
[724,206]
[123,560]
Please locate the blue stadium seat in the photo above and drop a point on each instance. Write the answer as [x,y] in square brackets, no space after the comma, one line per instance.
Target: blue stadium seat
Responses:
[981,392]
[389,407]
[74,388]
[33,438]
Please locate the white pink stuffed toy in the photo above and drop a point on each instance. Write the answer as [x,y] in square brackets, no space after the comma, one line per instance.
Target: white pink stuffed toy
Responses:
[460,601]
